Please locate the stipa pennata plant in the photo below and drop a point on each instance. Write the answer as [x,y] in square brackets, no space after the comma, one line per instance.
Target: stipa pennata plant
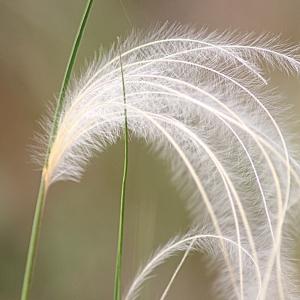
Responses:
[202,102]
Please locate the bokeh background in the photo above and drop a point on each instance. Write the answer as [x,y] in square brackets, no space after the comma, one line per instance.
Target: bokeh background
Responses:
[78,242]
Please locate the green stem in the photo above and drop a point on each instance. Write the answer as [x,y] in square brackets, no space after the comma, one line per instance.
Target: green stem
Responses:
[40,203]
[118,269]
[32,250]
[67,75]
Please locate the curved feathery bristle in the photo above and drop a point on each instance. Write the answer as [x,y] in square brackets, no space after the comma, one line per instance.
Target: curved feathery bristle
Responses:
[193,242]
[202,101]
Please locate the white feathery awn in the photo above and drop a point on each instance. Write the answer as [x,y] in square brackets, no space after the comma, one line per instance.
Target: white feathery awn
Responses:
[203,101]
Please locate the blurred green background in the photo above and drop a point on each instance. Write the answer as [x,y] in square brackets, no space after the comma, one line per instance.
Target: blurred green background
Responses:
[78,242]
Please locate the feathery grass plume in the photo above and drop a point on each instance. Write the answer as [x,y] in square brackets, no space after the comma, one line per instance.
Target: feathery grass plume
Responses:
[202,101]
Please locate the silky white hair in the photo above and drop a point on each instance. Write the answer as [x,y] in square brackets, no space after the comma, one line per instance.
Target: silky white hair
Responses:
[203,102]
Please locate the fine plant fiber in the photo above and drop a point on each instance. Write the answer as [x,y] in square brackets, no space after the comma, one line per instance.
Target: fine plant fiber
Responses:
[117,291]
[202,102]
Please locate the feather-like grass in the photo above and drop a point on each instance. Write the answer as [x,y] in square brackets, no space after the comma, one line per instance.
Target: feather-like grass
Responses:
[203,102]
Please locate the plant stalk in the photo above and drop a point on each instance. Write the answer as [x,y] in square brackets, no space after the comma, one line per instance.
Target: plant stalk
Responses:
[32,250]
[67,76]
[118,269]
[40,202]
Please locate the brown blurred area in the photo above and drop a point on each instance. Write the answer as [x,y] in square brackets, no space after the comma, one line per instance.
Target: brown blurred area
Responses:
[77,249]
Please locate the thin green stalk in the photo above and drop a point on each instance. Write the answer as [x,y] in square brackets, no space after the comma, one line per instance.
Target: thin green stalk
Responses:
[40,203]
[32,250]
[118,269]
[67,75]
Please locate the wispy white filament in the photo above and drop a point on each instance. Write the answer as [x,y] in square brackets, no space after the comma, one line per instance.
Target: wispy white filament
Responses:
[181,244]
[203,102]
